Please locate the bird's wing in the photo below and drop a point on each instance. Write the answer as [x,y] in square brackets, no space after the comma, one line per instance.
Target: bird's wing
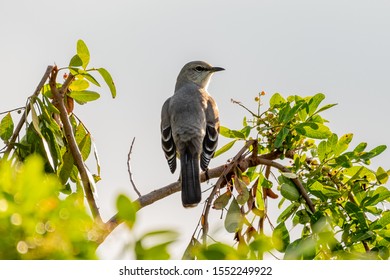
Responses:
[167,142]
[210,140]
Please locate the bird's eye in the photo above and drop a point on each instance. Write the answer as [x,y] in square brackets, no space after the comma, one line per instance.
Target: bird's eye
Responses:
[199,69]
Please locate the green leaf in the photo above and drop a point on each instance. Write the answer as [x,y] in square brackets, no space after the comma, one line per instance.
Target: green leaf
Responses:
[384,221]
[281,237]
[224,149]
[84,96]
[343,144]
[323,192]
[276,99]
[381,175]
[243,193]
[313,130]
[66,167]
[229,133]
[374,152]
[83,53]
[244,122]
[96,155]
[260,198]
[246,131]
[303,248]
[221,201]
[303,217]
[289,192]
[356,213]
[109,81]
[233,217]
[85,146]
[344,161]
[75,61]
[326,107]
[323,151]
[292,112]
[6,127]
[360,236]
[51,108]
[314,102]
[379,195]
[281,136]
[360,148]
[332,142]
[288,212]
[35,121]
[126,210]
[90,78]
[154,245]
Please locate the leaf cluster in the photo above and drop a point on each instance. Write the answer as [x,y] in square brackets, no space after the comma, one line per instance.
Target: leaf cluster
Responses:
[349,217]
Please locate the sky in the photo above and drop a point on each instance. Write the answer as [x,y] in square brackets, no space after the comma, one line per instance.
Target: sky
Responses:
[339,48]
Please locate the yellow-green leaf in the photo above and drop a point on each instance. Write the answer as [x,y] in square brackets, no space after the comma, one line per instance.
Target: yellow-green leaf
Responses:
[126,210]
[313,130]
[84,96]
[259,197]
[281,237]
[230,133]
[83,53]
[225,148]
[6,127]
[343,144]
[79,85]
[109,81]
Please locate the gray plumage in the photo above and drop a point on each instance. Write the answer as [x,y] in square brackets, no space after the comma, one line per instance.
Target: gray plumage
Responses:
[190,126]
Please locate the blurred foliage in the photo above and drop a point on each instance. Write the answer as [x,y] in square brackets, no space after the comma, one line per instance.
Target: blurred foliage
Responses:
[35,223]
[350,221]
[43,214]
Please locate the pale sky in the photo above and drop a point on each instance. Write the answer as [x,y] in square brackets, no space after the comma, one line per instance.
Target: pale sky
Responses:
[338,47]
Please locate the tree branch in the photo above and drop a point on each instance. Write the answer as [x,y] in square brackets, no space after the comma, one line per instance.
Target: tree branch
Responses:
[221,172]
[58,98]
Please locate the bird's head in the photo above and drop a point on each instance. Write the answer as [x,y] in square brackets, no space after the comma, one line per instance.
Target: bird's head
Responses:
[198,72]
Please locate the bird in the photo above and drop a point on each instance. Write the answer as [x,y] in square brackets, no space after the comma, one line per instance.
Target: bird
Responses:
[190,127]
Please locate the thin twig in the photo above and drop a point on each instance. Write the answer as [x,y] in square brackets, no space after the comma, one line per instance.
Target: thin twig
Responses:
[27,110]
[13,110]
[243,106]
[221,180]
[58,98]
[129,169]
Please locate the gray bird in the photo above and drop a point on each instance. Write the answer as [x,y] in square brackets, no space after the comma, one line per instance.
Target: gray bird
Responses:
[190,127]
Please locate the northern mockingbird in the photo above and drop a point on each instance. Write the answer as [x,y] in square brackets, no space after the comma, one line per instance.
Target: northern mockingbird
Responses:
[190,126]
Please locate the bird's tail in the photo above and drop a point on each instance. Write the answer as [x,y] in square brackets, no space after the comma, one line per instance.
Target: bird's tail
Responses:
[190,182]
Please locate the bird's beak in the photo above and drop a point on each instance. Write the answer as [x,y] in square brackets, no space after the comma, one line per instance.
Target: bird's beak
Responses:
[216,69]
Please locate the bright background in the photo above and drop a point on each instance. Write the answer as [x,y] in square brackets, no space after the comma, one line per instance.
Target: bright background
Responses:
[338,47]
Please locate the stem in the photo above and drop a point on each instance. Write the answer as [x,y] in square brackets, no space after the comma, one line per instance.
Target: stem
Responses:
[58,98]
